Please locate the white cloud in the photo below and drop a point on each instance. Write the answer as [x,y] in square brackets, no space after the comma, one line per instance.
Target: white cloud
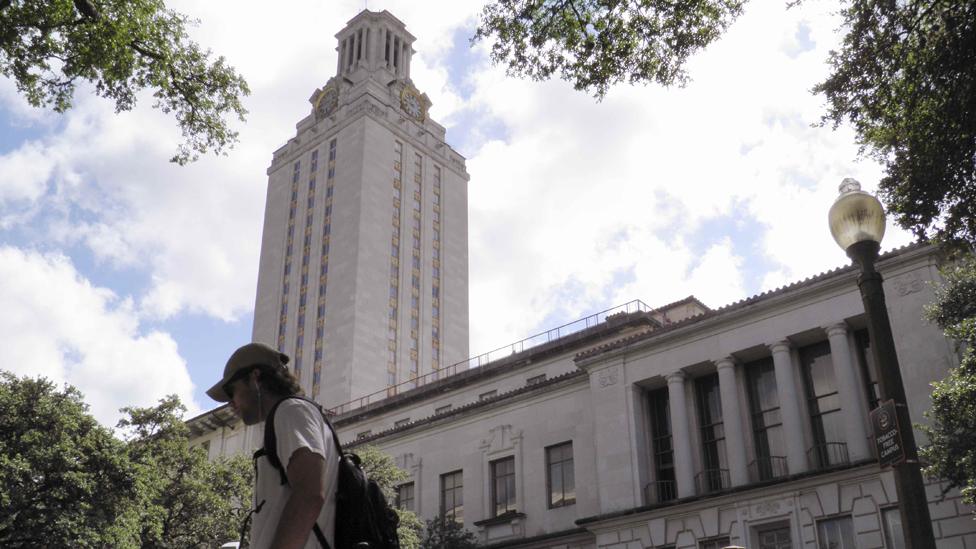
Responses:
[574,205]
[58,325]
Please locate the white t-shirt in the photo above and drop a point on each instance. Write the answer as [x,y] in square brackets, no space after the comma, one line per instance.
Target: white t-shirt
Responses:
[298,424]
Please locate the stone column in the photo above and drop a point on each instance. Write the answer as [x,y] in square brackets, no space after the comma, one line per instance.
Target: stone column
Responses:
[735,441]
[680,435]
[790,406]
[855,418]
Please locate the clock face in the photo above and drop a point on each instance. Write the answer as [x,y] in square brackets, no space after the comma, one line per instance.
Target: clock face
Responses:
[328,101]
[412,104]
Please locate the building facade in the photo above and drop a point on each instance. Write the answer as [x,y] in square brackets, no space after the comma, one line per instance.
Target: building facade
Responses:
[363,277]
[672,427]
[745,425]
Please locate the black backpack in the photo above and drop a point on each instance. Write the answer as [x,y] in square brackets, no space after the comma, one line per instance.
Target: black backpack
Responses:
[364,520]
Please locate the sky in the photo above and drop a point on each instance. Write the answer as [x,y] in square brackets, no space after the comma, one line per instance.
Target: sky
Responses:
[132,278]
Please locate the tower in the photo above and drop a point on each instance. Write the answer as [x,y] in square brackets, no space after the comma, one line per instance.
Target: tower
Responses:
[363,278]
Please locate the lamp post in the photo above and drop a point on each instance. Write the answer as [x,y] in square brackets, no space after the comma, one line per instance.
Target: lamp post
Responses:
[857,222]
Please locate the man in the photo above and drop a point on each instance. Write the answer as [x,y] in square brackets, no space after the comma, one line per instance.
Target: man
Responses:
[255,380]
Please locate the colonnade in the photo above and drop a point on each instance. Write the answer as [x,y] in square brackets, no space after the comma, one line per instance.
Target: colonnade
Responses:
[793,413]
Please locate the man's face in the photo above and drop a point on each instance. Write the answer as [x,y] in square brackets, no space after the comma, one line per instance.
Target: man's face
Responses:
[244,398]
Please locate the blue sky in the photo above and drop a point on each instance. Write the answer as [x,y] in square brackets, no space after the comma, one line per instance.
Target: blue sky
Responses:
[133,278]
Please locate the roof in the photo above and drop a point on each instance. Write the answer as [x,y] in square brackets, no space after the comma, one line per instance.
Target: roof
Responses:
[736,306]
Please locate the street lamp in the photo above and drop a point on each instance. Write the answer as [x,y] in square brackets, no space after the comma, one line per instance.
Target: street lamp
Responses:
[857,222]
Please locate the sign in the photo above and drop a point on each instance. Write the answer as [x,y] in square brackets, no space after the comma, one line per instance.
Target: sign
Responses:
[887,437]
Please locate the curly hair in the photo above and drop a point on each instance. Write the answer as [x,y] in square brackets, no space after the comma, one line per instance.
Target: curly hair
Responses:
[279,379]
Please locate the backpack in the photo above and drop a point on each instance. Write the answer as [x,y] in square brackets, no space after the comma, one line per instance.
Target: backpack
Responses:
[364,520]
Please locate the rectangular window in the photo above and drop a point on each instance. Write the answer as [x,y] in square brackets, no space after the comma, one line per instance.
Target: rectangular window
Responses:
[560,477]
[502,486]
[401,422]
[663,487]
[714,543]
[767,423]
[894,534]
[714,475]
[824,406]
[835,533]
[869,372]
[535,379]
[364,434]
[404,497]
[443,409]
[489,394]
[452,496]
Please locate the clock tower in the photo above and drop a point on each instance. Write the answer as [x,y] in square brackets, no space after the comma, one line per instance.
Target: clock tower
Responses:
[363,278]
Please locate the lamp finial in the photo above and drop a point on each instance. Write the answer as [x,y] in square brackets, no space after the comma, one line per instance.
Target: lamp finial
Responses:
[849,184]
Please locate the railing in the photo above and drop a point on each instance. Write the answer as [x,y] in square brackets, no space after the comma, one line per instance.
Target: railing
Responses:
[485,359]
[659,491]
[768,468]
[828,454]
[712,480]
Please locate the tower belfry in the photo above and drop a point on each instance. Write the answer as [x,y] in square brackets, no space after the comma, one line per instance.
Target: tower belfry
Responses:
[363,278]
[374,42]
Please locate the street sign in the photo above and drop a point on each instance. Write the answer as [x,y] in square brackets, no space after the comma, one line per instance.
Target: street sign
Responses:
[887,437]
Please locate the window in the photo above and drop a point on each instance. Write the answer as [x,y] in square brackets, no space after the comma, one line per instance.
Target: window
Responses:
[502,486]
[535,379]
[404,497]
[560,478]
[664,485]
[835,533]
[868,370]
[443,409]
[401,422]
[489,394]
[714,460]
[363,434]
[824,405]
[894,534]
[767,423]
[452,496]
[714,543]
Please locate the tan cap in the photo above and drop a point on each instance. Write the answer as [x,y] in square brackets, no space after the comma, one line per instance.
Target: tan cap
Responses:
[252,354]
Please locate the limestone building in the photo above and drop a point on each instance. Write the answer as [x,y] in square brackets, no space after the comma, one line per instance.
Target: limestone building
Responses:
[676,426]
[363,277]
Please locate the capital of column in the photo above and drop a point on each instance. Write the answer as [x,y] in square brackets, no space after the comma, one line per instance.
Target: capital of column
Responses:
[837,328]
[781,346]
[723,363]
[676,377]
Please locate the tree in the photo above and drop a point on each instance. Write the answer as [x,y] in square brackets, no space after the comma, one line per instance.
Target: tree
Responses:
[951,452]
[598,43]
[447,533]
[380,467]
[121,47]
[904,77]
[64,479]
[184,499]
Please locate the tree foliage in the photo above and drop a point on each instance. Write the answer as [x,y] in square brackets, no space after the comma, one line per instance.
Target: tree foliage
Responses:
[447,533]
[951,452]
[380,467]
[184,499]
[64,479]
[598,43]
[905,79]
[121,47]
